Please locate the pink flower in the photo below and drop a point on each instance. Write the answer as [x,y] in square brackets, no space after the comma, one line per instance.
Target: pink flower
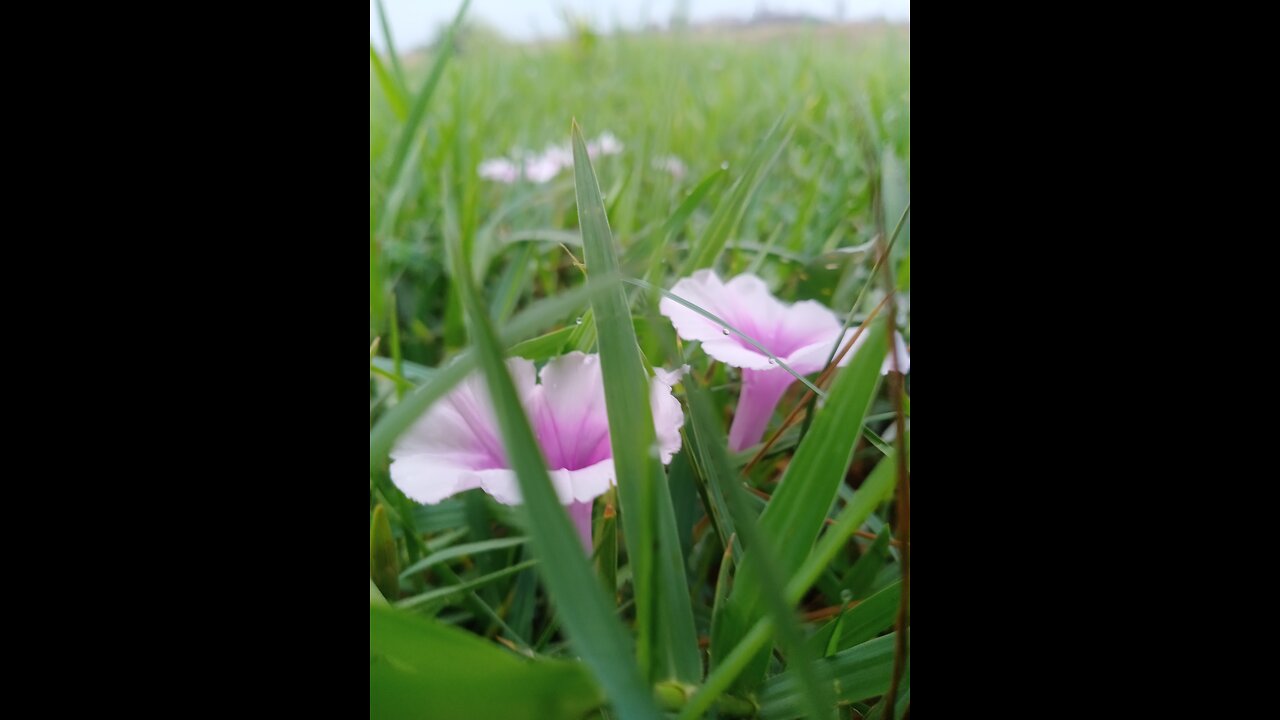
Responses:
[606,144]
[499,169]
[801,335]
[671,164]
[544,166]
[456,445]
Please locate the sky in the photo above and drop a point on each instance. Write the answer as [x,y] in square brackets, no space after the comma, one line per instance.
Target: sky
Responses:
[414,22]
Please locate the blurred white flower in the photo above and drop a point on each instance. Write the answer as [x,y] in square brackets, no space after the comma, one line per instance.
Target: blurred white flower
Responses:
[671,164]
[499,170]
[544,166]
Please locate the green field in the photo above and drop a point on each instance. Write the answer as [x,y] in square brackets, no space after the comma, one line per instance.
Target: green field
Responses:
[795,144]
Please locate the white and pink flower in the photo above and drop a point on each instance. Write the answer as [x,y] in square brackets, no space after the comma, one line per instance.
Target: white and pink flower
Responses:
[800,334]
[456,445]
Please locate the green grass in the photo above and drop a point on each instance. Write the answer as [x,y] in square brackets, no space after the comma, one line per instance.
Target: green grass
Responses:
[797,147]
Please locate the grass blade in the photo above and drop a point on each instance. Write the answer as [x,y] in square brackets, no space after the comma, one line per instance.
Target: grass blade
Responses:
[861,672]
[458,551]
[445,593]
[667,641]
[587,616]
[383,556]
[795,515]
[391,45]
[393,92]
[759,555]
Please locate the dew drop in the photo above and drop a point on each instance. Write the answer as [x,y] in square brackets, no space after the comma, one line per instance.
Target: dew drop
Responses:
[771,362]
[725,331]
[724,165]
[578,321]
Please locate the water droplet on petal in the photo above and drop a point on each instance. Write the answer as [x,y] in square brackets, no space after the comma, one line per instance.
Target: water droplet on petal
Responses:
[771,362]
[725,331]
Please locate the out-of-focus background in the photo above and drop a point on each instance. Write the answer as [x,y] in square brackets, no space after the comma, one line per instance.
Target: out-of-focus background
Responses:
[669,92]
[415,22]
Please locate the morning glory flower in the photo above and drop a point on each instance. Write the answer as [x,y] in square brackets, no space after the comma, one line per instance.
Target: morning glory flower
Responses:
[671,164]
[456,445]
[606,144]
[542,167]
[800,334]
[500,170]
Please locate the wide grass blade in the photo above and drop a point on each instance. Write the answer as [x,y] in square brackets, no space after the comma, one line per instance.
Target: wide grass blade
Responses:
[861,622]
[391,45]
[584,611]
[421,668]
[390,89]
[666,639]
[858,673]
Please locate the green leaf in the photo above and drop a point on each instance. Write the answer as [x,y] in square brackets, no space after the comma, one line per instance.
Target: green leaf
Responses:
[857,673]
[458,551]
[543,346]
[391,49]
[383,556]
[421,668]
[870,617]
[605,541]
[413,373]
[395,98]
[863,573]
[586,614]
[450,591]
[667,642]
[863,621]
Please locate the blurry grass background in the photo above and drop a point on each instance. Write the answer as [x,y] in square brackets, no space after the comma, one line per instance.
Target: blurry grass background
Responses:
[706,100]
[801,135]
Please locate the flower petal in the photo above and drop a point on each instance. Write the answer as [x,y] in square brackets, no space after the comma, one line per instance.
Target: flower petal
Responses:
[903,355]
[570,485]
[705,290]
[429,479]
[569,414]
[668,416]
[457,436]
